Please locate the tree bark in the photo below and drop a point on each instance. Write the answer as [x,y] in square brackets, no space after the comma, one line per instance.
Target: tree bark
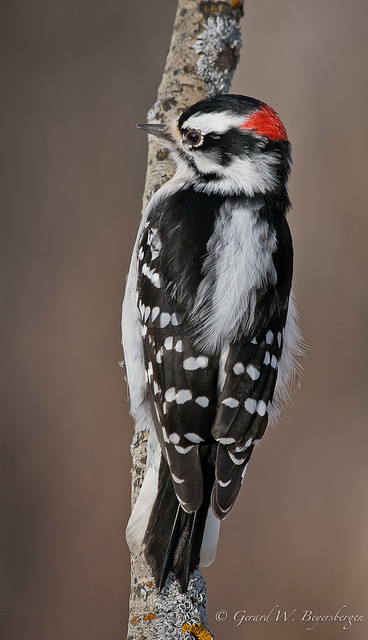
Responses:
[202,58]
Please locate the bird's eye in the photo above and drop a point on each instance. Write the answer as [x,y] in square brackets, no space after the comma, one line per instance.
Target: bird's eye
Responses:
[193,138]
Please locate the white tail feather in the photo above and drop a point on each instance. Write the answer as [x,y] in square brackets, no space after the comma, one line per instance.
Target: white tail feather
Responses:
[140,515]
[138,520]
[210,539]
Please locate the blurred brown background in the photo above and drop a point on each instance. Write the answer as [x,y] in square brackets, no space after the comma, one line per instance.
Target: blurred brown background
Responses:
[76,77]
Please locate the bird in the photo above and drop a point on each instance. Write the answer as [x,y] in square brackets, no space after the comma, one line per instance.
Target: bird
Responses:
[209,324]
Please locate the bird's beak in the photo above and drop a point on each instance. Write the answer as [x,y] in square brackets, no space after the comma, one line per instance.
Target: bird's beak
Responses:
[158,130]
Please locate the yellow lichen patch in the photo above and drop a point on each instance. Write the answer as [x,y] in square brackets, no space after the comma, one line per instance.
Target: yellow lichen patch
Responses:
[149,584]
[149,616]
[134,620]
[197,630]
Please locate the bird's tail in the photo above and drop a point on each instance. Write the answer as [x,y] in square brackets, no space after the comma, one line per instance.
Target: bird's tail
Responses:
[173,539]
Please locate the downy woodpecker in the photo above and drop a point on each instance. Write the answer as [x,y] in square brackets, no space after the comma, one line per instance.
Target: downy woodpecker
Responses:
[209,325]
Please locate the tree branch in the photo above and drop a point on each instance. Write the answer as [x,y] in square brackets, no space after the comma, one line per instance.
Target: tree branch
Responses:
[202,58]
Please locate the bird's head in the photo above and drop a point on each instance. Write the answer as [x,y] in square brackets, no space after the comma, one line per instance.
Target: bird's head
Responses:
[229,144]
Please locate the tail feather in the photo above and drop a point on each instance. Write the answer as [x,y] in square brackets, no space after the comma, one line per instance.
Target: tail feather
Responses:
[173,538]
[187,553]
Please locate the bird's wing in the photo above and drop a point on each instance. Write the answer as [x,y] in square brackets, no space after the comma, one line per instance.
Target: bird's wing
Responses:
[241,420]
[250,377]
[182,382]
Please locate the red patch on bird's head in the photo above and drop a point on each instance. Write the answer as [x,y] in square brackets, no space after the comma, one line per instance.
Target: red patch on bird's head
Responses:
[266,122]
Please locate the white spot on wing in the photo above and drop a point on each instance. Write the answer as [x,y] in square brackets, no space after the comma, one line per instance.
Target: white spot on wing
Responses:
[238,368]
[269,337]
[155,279]
[252,372]
[250,404]
[150,236]
[224,484]
[230,402]
[170,394]
[176,479]
[179,346]
[235,460]
[183,396]
[155,312]
[168,344]
[226,441]
[174,438]
[261,408]
[164,320]
[246,446]
[183,449]
[151,274]
[203,401]
[193,437]
[191,364]
[174,320]
[244,472]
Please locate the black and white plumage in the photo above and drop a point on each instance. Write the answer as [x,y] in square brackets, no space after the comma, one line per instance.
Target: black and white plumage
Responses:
[209,330]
